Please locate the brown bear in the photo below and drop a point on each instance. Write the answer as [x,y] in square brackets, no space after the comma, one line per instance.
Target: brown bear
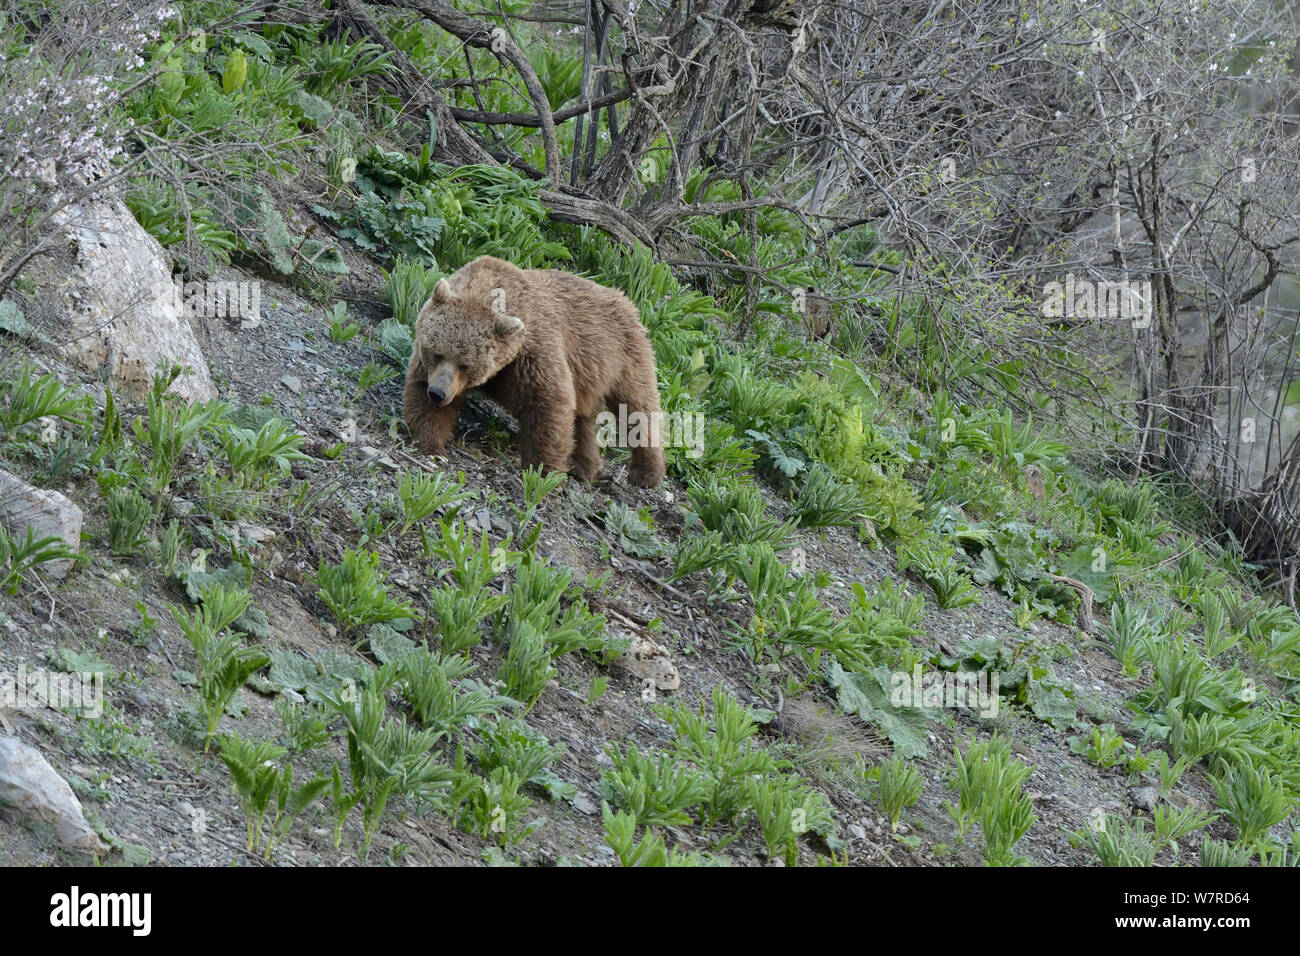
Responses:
[551,348]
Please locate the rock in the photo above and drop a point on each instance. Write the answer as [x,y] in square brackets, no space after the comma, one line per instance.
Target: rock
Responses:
[583,805]
[47,513]
[1181,801]
[256,533]
[32,788]
[1144,798]
[292,382]
[118,305]
[650,660]
[347,430]
[1035,484]
[379,457]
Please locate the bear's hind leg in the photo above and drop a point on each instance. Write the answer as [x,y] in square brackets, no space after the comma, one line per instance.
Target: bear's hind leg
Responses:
[638,392]
[647,468]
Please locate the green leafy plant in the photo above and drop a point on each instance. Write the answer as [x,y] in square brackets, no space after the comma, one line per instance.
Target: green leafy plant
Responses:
[1118,842]
[18,556]
[883,623]
[1172,825]
[28,400]
[512,744]
[331,63]
[632,531]
[306,724]
[170,426]
[735,511]
[620,834]
[988,781]
[1219,638]
[354,591]
[1253,800]
[441,696]
[264,454]
[750,400]
[370,376]
[474,564]
[342,328]
[722,749]
[1281,854]
[169,548]
[409,286]
[386,759]
[934,563]
[128,517]
[1017,447]
[460,615]
[266,788]
[1276,647]
[527,667]
[824,500]
[702,552]
[657,789]
[496,807]
[1223,853]
[537,485]
[1170,773]
[159,210]
[785,810]
[898,786]
[423,495]
[224,663]
[1104,747]
[545,599]
[1126,635]
[1191,573]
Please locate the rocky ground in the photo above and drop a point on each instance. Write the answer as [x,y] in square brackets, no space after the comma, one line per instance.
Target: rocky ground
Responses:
[151,792]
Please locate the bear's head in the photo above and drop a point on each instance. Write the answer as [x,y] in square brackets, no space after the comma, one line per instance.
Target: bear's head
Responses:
[462,343]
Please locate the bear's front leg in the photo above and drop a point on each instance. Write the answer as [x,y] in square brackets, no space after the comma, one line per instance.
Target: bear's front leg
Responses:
[546,436]
[429,424]
[586,452]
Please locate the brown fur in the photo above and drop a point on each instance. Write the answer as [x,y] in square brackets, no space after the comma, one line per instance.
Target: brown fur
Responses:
[550,347]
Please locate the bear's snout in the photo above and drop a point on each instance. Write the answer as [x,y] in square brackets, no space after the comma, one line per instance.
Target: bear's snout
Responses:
[443,384]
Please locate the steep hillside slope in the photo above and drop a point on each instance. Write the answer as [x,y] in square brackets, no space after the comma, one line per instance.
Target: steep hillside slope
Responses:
[143,774]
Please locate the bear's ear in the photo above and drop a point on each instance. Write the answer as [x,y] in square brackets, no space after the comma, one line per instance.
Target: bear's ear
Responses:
[442,291]
[508,324]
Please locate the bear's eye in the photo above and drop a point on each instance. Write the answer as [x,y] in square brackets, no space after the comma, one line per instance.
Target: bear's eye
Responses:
[437,360]
[463,367]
